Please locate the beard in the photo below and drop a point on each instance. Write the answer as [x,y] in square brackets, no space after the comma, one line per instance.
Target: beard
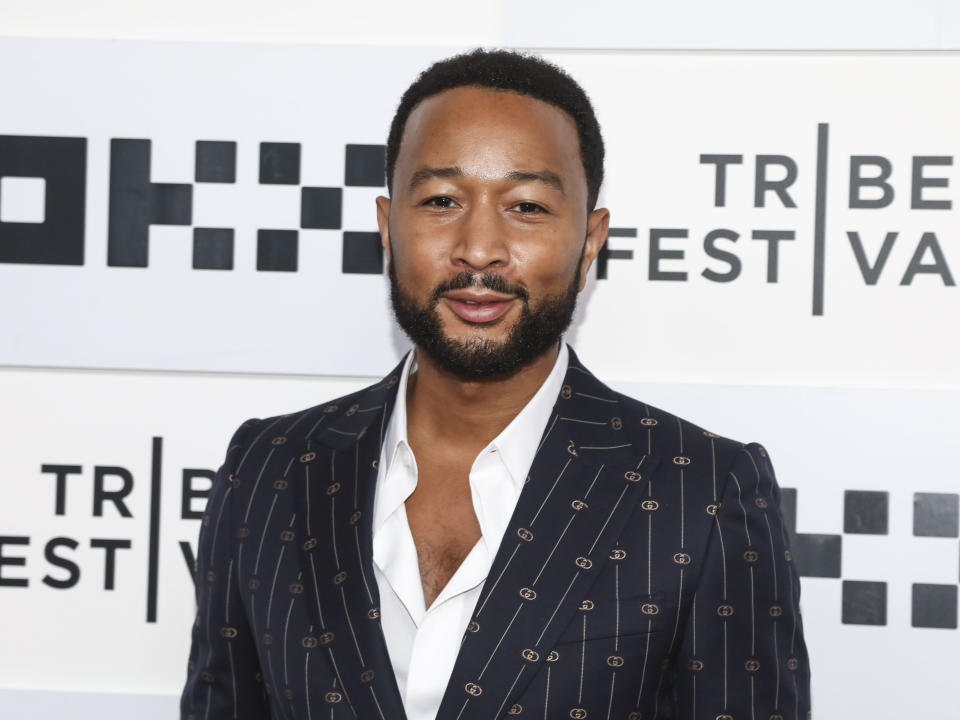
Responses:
[477,358]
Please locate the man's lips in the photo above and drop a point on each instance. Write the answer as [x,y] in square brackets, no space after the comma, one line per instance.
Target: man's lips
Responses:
[478,307]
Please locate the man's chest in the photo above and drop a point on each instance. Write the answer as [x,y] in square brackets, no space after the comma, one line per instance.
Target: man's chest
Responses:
[442,521]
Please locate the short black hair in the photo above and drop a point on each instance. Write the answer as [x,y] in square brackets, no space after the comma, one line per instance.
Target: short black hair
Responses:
[514,72]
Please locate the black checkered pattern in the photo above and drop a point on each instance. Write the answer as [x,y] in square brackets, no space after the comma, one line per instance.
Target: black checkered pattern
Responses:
[866,512]
[321,208]
[136,203]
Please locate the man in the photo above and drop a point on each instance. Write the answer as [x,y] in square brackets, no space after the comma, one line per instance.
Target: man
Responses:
[490,531]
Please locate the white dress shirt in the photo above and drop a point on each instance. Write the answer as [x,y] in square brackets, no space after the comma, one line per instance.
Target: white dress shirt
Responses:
[424,642]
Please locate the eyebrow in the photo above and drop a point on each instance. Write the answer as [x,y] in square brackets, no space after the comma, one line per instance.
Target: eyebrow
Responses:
[428,173]
[548,177]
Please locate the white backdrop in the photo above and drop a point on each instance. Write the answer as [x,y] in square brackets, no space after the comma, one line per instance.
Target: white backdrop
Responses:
[614,24]
[87,639]
[864,304]
[876,367]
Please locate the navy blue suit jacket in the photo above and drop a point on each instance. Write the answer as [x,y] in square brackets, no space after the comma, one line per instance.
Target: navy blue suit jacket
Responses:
[645,574]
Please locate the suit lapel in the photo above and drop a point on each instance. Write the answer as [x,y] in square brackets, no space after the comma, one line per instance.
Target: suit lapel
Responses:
[337,492]
[582,487]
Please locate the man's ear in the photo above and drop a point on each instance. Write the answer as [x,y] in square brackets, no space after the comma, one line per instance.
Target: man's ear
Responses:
[383,222]
[598,223]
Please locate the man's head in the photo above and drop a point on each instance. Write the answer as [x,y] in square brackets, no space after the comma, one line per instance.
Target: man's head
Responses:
[511,72]
[494,163]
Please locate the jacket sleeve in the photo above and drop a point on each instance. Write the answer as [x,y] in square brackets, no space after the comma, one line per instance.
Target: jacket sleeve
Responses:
[224,678]
[742,653]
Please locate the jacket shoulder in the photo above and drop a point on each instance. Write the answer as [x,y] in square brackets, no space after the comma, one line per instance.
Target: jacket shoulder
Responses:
[265,450]
[671,436]
[309,423]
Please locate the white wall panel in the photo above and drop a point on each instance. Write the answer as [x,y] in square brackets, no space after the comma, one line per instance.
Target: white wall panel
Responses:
[800,310]
[611,24]
[733,25]
[896,442]
[413,22]
[53,705]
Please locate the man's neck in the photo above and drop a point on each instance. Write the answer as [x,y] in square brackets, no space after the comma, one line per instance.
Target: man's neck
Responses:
[450,410]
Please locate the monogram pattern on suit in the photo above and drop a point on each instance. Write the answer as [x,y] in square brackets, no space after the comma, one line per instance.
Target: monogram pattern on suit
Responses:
[644,574]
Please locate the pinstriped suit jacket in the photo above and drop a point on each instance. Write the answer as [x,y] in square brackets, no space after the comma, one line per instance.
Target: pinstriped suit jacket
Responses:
[645,574]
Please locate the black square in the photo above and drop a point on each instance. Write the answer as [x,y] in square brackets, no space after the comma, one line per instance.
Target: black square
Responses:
[935,606]
[216,161]
[62,162]
[866,512]
[279,163]
[213,248]
[171,203]
[362,253]
[817,555]
[277,250]
[321,208]
[364,165]
[936,514]
[864,603]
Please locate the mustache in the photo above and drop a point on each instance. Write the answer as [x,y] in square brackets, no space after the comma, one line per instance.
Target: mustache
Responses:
[489,280]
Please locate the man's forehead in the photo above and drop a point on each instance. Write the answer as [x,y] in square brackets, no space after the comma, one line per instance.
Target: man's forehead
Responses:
[491,123]
[473,100]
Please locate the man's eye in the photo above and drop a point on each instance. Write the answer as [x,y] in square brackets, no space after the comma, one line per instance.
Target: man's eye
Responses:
[528,208]
[441,201]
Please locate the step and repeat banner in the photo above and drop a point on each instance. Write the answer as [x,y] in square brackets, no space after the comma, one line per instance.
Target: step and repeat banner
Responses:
[187,239]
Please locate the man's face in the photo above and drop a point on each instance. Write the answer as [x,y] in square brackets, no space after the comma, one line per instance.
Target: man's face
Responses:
[487,234]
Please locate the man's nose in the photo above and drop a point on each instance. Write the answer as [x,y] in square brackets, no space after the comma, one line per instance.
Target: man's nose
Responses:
[481,238]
